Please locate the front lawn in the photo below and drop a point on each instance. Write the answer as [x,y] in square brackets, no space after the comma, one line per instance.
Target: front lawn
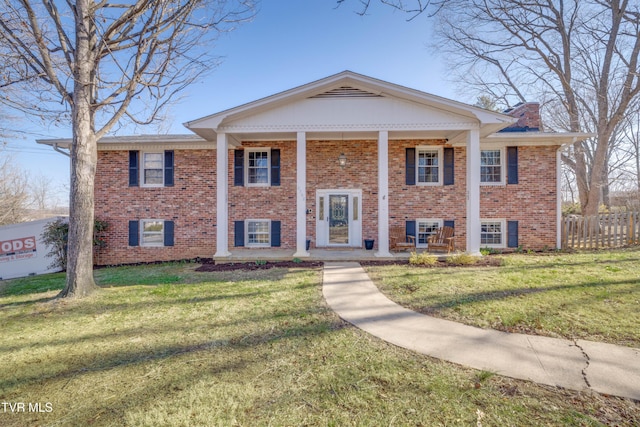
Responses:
[165,345]
[592,295]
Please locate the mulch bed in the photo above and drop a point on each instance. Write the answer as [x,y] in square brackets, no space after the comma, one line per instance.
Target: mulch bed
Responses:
[249,266]
[210,265]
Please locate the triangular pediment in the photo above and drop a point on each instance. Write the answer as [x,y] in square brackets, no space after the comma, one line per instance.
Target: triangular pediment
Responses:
[346,114]
[348,102]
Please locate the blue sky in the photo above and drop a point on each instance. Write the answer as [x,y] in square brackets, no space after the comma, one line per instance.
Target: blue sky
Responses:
[289,43]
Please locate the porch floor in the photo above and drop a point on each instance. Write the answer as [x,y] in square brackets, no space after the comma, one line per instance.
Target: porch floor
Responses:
[240,255]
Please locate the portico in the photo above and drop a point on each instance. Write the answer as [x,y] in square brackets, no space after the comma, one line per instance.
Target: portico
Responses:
[346,108]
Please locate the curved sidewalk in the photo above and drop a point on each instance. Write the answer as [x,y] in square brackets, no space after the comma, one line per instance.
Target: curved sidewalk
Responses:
[579,365]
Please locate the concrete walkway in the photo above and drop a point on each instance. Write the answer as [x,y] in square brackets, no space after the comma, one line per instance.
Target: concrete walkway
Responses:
[578,365]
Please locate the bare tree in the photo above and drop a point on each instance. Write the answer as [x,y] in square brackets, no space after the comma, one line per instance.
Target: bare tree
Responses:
[630,136]
[413,7]
[14,196]
[41,192]
[104,63]
[580,56]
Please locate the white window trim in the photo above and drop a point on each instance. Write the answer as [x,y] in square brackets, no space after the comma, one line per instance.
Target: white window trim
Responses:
[503,166]
[439,221]
[246,234]
[142,169]
[503,229]
[246,167]
[431,148]
[151,245]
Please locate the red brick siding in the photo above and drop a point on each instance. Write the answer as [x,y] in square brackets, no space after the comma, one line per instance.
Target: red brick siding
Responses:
[360,172]
[276,203]
[531,202]
[190,203]
[410,202]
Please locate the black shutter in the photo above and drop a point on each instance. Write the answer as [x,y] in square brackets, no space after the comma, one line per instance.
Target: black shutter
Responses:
[168,233]
[512,165]
[134,166]
[275,234]
[238,168]
[512,234]
[275,167]
[410,227]
[448,166]
[134,233]
[410,178]
[238,230]
[168,168]
[449,223]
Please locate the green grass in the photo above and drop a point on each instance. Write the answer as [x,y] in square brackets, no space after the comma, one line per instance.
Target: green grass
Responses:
[593,295]
[164,345]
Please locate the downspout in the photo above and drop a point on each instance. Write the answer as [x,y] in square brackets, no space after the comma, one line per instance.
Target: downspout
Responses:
[559,198]
[59,150]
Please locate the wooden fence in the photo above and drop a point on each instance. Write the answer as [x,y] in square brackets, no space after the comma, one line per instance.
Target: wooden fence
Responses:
[601,231]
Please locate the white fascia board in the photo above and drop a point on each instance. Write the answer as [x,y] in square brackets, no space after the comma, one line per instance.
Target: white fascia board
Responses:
[537,138]
[110,143]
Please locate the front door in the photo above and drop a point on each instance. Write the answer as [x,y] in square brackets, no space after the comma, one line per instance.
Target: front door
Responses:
[338,221]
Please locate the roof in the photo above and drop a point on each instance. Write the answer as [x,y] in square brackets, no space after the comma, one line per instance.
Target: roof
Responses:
[346,105]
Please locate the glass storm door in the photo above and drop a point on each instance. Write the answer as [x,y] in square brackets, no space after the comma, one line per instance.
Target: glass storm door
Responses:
[338,219]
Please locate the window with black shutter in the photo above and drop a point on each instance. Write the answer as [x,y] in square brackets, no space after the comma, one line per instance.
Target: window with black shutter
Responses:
[410,170]
[134,168]
[512,165]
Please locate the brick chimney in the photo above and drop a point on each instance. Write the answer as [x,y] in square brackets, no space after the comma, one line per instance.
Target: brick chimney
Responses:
[528,115]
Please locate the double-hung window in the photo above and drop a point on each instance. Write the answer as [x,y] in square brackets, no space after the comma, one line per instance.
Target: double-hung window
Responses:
[258,167]
[429,167]
[426,227]
[491,166]
[258,233]
[492,233]
[151,232]
[153,169]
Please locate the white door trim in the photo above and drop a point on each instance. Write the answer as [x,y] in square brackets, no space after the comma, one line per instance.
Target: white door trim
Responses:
[354,212]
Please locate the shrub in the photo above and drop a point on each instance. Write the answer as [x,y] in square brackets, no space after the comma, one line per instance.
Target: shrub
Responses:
[461,259]
[422,259]
[490,251]
[56,235]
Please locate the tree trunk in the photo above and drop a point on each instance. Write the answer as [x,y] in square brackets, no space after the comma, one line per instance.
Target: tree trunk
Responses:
[582,179]
[84,157]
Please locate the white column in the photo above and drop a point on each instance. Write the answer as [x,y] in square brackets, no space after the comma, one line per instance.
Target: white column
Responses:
[383,194]
[301,198]
[473,192]
[222,197]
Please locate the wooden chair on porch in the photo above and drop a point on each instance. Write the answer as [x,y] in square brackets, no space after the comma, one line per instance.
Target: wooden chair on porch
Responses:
[442,241]
[399,240]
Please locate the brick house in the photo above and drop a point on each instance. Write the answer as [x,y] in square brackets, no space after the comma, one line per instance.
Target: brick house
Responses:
[335,161]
